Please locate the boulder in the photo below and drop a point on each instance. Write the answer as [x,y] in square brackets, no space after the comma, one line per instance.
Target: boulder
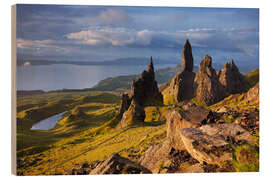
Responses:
[162,158]
[175,120]
[187,58]
[207,86]
[212,143]
[230,132]
[155,156]
[205,148]
[116,164]
[232,80]
[196,168]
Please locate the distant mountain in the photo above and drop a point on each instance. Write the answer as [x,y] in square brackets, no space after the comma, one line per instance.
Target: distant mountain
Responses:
[123,83]
[120,61]
[29,92]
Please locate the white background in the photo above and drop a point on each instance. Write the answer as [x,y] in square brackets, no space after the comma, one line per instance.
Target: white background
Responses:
[5,84]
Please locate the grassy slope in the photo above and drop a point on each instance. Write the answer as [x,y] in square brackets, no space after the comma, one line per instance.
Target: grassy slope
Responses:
[253,77]
[87,137]
[90,136]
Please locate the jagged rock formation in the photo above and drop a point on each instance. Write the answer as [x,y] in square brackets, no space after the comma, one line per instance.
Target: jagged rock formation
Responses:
[135,113]
[116,164]
[181,86]
[187,58]
[124,104]
[207,85]
[144,92]
[232,80]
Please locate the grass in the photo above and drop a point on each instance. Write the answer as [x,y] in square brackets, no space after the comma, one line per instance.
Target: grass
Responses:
[237,102]
[77,139]
[253,77]
[87,133]
[246,158]
[168,98]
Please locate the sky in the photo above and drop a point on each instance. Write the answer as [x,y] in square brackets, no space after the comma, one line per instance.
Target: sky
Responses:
[100,33]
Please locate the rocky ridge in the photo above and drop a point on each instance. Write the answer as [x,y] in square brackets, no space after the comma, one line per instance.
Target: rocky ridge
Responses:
[195,134]
[207,85]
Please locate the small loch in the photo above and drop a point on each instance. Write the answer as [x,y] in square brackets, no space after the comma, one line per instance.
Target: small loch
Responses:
[48,123]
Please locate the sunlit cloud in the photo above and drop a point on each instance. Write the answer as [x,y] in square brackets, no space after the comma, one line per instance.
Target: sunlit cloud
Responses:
[22,43]
[235,39]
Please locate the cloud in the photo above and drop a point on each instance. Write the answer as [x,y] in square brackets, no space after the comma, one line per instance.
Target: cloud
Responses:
[233,39]
[106,17]
[22,43]
[112,36]
[111,16]
[43,47]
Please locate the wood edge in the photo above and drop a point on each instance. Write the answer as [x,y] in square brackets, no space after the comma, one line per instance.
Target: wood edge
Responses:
[13,90]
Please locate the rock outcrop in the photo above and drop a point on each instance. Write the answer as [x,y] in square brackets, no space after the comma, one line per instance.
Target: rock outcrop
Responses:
[144,92]
[232,80]
[124,104]
[213,143]
[205,148]
[253,93]
[134,114]
[119,165]
[208,88]
[230,132]
[181,86]
[156,155]
[187,58]
[192,118]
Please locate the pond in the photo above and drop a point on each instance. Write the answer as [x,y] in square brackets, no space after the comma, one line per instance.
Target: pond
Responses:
[48,123]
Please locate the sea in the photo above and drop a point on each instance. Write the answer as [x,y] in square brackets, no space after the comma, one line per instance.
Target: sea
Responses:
[66,76]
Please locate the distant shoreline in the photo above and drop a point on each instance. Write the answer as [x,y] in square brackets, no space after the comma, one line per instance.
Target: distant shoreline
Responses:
[118,62]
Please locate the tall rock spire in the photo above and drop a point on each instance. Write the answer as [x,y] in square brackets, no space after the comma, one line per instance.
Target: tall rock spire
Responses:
[151,69]
[144,92]
[187,58]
